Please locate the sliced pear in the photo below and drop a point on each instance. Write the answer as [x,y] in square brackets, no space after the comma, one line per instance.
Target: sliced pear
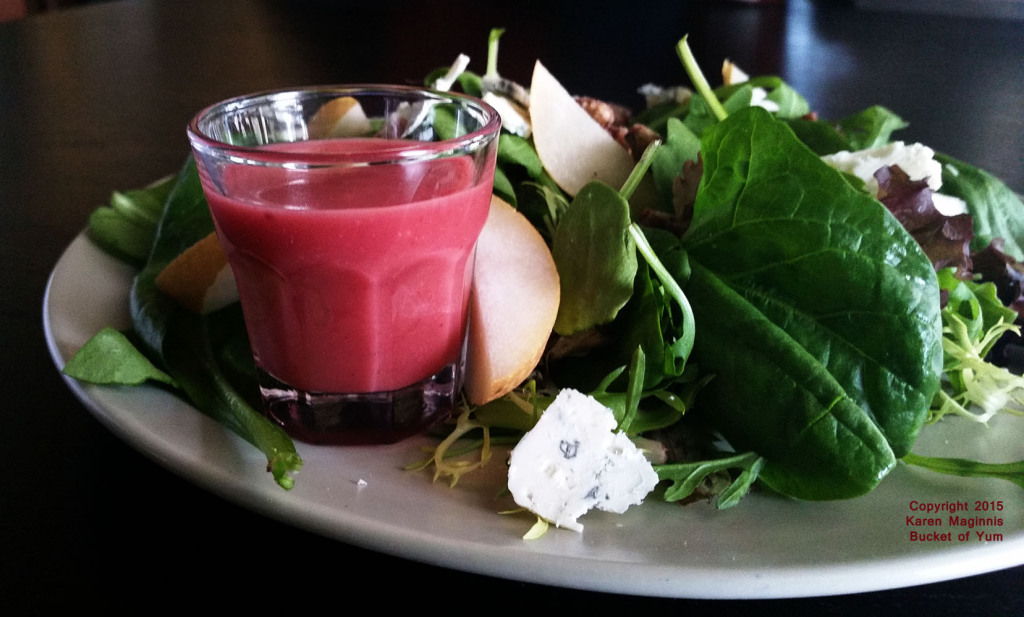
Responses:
[339,117]
[573,147]
[199,278]
[513,304]
[732,74]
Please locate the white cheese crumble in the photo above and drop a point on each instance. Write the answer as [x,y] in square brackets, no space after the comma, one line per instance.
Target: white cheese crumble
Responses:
[759,98]
[512,120]
[446,81]
[916,160]
[656,95]
[572,461]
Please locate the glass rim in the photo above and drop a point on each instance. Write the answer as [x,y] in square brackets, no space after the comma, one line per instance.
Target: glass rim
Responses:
[412,150]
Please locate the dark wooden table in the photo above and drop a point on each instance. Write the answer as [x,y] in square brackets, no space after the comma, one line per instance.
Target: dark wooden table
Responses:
[96,98]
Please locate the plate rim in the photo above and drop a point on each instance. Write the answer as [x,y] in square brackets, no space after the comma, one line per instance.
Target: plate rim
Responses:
[547,569]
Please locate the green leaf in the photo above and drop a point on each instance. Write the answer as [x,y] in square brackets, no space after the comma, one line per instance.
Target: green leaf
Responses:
[514,150]
[126,226]
[182,340]
[817,313]
[634,391]
[977,305]
[641,325]
[185,220]
[503,187]
[997,211]
[680,145]
[870,128]
[709,98]
[821,137]
[110,358]
[1012,472]
[469,82]
[192,361]
[791,104]
[685,477]
[596,258]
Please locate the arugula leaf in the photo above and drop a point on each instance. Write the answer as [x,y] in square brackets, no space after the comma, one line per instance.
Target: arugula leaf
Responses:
[818,313]
[185,220]
[686,477]
[647,322]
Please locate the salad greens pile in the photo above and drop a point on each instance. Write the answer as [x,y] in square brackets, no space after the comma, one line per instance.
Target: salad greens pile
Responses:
[204,358]
[744,308]
[789,323]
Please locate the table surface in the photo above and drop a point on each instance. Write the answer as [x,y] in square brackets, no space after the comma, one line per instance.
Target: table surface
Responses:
[96,98]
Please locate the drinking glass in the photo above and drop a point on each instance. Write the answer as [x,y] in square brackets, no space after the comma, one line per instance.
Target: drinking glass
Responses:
[349,216]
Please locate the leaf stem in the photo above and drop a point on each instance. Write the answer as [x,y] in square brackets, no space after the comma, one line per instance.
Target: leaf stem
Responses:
[666,278]
[670,284]
[698,79]
[492,52]
[1013,472]
[639,170]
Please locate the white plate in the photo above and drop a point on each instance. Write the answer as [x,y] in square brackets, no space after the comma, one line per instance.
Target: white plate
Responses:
[764,548]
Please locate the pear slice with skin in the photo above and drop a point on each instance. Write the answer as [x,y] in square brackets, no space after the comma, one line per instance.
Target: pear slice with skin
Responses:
[573,147]
[199,278]
[513,304]
[339,117]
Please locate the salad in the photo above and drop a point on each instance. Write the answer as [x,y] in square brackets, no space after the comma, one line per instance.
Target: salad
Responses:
[750,311]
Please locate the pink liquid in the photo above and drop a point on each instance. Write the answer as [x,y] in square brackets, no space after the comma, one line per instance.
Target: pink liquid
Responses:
[353,280]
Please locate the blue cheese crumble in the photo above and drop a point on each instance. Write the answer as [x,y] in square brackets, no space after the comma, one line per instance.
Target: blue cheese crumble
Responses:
[573,460]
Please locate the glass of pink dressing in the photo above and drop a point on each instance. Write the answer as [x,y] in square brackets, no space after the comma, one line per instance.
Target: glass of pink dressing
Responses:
[349,216]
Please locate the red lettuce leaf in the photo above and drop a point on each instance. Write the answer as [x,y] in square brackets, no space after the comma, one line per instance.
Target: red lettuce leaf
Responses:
[945,239]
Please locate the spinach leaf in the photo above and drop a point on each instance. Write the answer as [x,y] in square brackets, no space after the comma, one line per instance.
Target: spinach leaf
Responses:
[998,212]
[681,144]
[504,188]
[790,103]
[185,220]
[110,358]
[596,258]
[818,314]
[182,339]
[517,161]
[515,150]
[821,137]
[870,128]
[126,226]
